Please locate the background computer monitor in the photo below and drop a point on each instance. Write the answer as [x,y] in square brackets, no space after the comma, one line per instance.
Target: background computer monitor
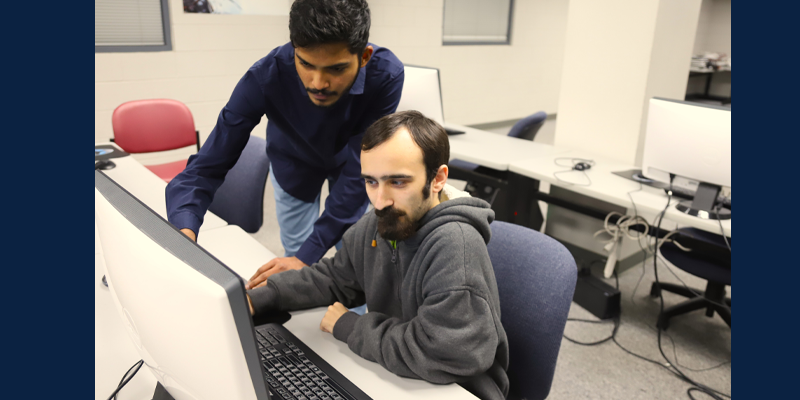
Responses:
[693,141]
[185,311]
[422,92]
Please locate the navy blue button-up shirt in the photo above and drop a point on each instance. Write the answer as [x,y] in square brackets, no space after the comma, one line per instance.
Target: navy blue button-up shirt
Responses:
[305,143]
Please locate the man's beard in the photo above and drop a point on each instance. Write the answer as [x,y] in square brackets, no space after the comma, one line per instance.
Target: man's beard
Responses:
[327,92]
[395,224]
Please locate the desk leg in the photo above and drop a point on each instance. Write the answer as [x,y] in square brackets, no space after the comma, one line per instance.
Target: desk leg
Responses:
[523,208]
[708,85]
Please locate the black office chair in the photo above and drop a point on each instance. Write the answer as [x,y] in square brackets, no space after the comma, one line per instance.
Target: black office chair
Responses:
[240,199]
[526,129]
[536,278]
[709,259]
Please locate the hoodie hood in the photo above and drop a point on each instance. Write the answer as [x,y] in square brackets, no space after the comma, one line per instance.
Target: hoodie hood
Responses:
[471,210]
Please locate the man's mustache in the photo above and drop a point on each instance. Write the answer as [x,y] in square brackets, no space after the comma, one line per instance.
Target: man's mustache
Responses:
[389,211]
[324,92]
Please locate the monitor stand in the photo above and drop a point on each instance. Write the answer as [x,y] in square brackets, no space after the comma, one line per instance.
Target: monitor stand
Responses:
[161,393]
[704,204]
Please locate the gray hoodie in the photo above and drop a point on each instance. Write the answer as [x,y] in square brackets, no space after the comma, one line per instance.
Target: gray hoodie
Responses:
[434,311]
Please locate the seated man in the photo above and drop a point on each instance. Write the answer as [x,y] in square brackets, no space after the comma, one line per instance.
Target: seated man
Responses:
[420,263]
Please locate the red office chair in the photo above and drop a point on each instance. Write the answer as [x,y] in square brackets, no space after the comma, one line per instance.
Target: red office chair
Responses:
[146,126]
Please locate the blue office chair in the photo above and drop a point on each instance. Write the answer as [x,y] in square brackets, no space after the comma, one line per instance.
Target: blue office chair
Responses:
[526,129]
[709,259]
[536,278]
[240,199]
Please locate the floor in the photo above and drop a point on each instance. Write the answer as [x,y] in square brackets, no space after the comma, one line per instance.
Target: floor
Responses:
[698,345]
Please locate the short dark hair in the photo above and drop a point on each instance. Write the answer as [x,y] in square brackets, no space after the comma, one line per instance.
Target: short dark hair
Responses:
[426,133]
[315,22]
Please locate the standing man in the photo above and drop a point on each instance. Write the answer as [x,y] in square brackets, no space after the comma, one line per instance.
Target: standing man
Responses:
[319,92]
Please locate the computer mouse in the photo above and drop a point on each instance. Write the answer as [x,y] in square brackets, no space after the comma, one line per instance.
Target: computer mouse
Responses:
[582,166]
[104,165]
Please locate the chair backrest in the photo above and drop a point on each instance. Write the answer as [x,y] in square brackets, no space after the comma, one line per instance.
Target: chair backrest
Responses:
[240,198]
[527,127]
[536,278]
[144,126]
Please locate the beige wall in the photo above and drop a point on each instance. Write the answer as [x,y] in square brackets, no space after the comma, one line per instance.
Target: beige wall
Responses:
[714,27]
[670,57]
[618,54]
[211,52]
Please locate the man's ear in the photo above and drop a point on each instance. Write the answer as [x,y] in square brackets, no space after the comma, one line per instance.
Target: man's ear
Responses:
[365,57]
[440,179]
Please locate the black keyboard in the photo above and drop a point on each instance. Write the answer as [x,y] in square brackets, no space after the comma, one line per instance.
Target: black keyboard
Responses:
[293,371]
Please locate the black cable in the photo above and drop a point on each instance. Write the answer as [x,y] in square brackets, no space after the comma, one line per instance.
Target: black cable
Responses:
[721,229]
[695,292]
[125,381]
[699,387]
[677,362]
[616,320]
[674,345]
[672,368]
[601,341]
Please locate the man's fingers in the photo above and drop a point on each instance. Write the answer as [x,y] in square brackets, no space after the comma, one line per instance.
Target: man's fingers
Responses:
[264,267]
[259,280]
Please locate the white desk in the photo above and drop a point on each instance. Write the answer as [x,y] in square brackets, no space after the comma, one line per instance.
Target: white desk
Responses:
[149,188]
[614,189]
[114,351]
[495,151]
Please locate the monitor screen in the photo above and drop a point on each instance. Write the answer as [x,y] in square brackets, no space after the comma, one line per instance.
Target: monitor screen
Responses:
[690,140]
[185,311]
[422,92]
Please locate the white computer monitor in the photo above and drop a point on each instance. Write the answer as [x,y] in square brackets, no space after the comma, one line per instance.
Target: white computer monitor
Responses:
[693,141]
[422,92]
[185,311]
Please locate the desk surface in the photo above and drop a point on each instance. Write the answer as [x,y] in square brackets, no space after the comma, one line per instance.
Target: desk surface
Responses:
[607,186]
[495,151]
[149,188]
[114,352]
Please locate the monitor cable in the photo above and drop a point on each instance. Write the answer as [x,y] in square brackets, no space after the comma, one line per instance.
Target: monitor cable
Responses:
[615,320]
[697,387]
[125,378]
[721,229]
[622,226]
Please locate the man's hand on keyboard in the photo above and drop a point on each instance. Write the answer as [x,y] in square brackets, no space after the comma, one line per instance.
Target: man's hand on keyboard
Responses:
[190,233]
[329,320]
[274,266]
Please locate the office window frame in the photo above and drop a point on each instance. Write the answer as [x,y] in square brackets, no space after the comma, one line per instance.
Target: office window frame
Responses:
[473,43]
[167,46]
